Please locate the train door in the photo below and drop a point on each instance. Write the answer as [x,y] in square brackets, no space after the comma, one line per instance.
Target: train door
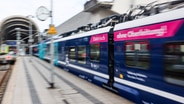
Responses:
[66,56]
[42,49]
[110,63]
[61,51]
[111,58]
[47,52]
[56,53]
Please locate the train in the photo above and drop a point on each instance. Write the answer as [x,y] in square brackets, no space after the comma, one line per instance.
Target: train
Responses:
[4,48]
[140,58]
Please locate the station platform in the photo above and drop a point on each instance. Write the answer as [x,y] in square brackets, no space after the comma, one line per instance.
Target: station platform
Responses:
[29,84]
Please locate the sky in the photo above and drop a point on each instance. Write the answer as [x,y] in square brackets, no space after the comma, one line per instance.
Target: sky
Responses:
[62,10]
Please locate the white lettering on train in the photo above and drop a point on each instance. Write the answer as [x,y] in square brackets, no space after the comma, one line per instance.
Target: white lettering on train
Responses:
[99,38]
[144,32]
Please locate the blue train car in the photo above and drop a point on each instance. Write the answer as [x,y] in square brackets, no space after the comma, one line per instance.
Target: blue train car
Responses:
[148,62]
[86,55]
[44,49]
[141,59]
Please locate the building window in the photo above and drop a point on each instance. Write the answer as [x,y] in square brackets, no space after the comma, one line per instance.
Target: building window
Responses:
[137,54]
[95,52]
[82,54]
[72,54]
[174,63]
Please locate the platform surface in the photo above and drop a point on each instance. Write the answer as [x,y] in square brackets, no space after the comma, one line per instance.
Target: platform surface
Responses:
[29,84]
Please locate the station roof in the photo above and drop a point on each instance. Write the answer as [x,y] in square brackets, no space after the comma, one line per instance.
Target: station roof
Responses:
[8,28]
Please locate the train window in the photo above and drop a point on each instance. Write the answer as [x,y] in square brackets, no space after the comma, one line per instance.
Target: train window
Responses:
[137,54]
[174,63]
[72,54]
[82,54]
[95,52]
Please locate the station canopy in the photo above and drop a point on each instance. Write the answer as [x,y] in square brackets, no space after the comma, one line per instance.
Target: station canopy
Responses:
[8,28]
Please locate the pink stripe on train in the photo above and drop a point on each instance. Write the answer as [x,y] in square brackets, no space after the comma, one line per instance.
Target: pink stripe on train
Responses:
[161,30]
[99,38]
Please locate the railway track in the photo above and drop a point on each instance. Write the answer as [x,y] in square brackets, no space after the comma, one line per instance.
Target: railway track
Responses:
[5,72]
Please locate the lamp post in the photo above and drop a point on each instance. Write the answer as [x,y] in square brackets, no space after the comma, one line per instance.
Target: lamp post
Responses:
[30,34]
[52,49]
[42,15]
